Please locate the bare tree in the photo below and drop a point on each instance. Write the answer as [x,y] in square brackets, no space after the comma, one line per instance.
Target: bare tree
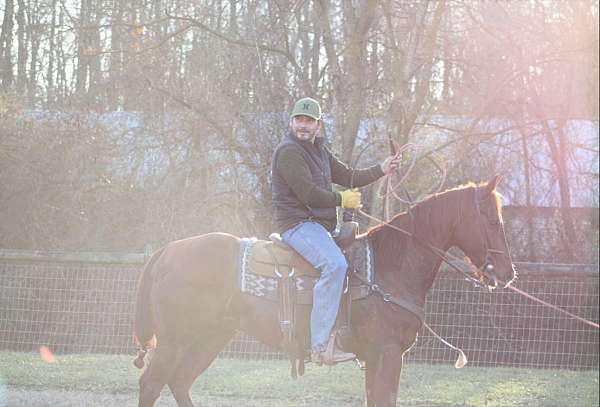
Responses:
[6,40]
[204,87]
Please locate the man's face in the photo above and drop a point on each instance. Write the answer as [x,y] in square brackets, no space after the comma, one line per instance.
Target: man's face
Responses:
[305,127]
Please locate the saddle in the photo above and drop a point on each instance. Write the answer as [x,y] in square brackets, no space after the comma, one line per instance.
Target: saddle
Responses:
[273,270]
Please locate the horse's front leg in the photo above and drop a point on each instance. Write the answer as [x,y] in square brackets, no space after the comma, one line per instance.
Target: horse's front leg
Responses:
[382,376]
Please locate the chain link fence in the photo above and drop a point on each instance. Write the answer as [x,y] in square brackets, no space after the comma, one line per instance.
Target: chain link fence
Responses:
[78,303]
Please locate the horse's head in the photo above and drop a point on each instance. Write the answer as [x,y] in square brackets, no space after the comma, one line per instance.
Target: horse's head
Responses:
[480,235]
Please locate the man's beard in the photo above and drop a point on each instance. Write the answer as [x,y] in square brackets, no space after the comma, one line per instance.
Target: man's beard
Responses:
[304,134]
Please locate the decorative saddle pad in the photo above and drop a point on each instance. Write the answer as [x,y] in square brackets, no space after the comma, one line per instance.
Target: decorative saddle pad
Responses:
[261,260]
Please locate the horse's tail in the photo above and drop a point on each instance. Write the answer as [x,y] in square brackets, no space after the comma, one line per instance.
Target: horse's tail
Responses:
[143,325]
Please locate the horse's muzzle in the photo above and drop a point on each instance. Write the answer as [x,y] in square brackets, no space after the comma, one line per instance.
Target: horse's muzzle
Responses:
[490,279]
[488,276]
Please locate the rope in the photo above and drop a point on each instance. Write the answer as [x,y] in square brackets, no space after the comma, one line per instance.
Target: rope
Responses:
[462,358]
[390,190]
[435,191]
[446,257]
[533,298]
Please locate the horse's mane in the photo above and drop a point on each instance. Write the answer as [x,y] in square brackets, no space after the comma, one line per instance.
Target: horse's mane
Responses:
[429,214]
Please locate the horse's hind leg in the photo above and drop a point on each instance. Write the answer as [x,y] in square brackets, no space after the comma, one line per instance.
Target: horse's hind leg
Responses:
[160,369]
[194,362]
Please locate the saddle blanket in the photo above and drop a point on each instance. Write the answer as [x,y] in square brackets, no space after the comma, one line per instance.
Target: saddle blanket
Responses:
[262,263]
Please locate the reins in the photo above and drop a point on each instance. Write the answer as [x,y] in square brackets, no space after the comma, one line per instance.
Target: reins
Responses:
[446,257]
[462,358]
[391,189]
[441,254]
[533,298]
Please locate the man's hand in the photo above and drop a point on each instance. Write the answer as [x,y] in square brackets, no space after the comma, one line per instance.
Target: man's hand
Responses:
[350,198]
[390,164]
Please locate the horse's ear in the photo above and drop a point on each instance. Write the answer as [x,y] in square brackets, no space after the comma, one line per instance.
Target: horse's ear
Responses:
[492,184]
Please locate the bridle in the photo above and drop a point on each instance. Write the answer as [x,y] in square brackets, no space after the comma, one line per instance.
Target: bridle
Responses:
[487,268]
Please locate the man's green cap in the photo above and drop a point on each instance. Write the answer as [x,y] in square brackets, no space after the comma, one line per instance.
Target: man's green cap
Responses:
[307,107]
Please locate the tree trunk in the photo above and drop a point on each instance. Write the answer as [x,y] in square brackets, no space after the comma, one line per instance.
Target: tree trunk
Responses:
[356,77]
[558,152]
[337,91]
[62,84]
[531,249]
[33,35]
[424,80]
[94,61]
[81,83]
[50,71]
[22,48]
[6,37]
[116,58]
[316,52]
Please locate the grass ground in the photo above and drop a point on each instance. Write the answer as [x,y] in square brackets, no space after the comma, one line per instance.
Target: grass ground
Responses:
[111,380]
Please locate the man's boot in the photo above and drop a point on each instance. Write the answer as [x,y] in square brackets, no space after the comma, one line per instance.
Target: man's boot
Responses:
[332,354]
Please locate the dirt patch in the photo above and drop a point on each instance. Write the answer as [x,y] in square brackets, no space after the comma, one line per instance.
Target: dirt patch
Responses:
[11,396]
[19,397]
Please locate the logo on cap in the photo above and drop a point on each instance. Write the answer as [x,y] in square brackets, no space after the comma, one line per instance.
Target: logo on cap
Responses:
[307,107]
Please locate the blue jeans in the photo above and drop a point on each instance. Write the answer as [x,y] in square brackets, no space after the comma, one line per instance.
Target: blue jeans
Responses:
[316,245]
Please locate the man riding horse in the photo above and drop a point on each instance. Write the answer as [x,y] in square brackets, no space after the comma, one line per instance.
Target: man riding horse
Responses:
[191,299]
[303,171]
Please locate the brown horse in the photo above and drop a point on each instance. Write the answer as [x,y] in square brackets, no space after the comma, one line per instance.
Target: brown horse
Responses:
[189,303]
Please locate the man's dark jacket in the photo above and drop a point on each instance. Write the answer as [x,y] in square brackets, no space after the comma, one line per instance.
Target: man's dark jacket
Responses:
[302,177]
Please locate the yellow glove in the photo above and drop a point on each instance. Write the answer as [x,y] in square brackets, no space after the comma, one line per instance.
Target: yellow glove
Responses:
[350,198]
